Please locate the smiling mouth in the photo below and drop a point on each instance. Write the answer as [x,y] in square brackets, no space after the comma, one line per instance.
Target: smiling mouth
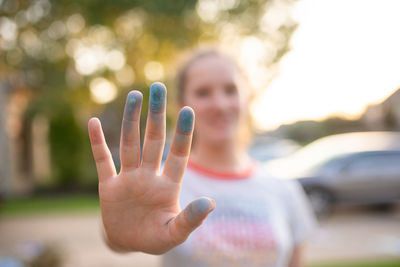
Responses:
[220,122]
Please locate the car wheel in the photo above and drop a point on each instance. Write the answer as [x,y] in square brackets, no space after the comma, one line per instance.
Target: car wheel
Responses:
[320,200]
[384,207]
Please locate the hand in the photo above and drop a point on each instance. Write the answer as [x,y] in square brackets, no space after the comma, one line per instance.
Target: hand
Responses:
[139,206]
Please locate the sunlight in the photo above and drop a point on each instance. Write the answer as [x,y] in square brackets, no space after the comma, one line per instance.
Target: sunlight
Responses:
[336,66]
[154,71]
[102,90]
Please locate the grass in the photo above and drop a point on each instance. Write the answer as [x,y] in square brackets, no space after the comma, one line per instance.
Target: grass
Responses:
[361,263]
[47,204]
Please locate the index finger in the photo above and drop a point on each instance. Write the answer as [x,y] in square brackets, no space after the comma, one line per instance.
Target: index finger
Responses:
[178,155]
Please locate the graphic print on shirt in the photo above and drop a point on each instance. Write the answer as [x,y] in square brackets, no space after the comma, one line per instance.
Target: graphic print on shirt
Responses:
[237,233]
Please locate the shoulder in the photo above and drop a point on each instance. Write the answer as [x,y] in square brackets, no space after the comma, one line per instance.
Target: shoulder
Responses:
[265,176]
[288,191]
[291,194]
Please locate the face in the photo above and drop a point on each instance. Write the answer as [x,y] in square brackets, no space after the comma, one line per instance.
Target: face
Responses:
[215,90]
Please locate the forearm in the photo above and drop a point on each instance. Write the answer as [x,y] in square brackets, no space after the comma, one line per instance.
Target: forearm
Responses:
[297,259]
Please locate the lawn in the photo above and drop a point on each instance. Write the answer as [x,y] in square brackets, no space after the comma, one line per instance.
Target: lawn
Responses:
[47,204]
[361,263]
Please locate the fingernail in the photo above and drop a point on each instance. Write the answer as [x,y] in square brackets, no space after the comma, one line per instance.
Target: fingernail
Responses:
[157,97]
[130,102]
[200,207]
[133,99]
[185,121]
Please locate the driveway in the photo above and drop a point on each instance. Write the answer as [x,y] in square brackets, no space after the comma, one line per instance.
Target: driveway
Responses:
[348,234]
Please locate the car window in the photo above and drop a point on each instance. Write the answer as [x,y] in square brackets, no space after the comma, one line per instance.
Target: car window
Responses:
[378,164]
[331,165]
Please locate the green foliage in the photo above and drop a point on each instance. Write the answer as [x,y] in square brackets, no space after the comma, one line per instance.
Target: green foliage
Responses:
[43,57]
[305,132]
[66,139]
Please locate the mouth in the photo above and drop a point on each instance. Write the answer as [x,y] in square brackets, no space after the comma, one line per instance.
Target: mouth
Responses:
[220,122]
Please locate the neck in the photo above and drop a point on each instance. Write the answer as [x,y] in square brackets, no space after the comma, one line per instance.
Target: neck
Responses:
[222,157]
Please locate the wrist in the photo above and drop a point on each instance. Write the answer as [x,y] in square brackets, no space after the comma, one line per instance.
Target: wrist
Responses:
[112,246]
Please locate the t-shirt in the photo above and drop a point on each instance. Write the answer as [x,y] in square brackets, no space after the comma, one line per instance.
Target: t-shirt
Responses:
[257,221]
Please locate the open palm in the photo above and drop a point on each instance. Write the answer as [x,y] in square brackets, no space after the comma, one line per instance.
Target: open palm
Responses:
[139,206]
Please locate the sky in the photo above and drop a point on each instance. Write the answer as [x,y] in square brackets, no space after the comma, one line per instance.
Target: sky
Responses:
[345,55]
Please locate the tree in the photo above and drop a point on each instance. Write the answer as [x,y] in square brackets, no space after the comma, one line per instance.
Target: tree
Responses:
[76,58]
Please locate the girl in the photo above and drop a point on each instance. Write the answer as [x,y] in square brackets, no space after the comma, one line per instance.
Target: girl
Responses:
[258,221]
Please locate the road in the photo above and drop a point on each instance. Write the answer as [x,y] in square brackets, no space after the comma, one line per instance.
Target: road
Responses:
[347,234]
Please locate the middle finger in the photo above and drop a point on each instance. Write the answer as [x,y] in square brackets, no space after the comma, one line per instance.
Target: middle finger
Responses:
[155,128]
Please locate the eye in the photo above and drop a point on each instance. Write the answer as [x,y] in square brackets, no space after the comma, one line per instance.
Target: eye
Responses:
[202,92]
[231,89]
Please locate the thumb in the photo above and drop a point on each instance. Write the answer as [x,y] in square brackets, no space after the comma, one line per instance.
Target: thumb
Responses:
[190,218]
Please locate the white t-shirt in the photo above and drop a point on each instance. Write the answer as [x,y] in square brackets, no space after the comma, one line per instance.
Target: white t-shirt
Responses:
[257,221]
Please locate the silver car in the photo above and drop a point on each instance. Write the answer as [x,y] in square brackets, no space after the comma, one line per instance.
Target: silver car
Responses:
[352,168]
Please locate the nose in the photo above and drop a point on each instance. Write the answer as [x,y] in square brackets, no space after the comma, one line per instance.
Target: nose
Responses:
[220,100]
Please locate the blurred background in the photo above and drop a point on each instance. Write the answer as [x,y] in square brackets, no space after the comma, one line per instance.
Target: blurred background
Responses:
[317,69]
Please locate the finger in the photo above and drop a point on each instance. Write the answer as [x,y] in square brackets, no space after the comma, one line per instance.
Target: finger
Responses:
[178,155]
[155,127]
[190,218]
[130,132]
[101,153]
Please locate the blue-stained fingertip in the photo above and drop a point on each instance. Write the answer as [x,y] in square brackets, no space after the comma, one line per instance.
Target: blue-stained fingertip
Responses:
[185,120]
[131,101]
[157,96]
[200,207]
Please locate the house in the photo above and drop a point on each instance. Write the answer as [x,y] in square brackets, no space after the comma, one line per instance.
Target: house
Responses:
[385,115]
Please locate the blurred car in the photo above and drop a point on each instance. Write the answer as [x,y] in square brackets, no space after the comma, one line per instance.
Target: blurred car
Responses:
[352,168]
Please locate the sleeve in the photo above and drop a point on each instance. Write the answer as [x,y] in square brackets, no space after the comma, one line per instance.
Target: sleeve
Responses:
[302,219]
